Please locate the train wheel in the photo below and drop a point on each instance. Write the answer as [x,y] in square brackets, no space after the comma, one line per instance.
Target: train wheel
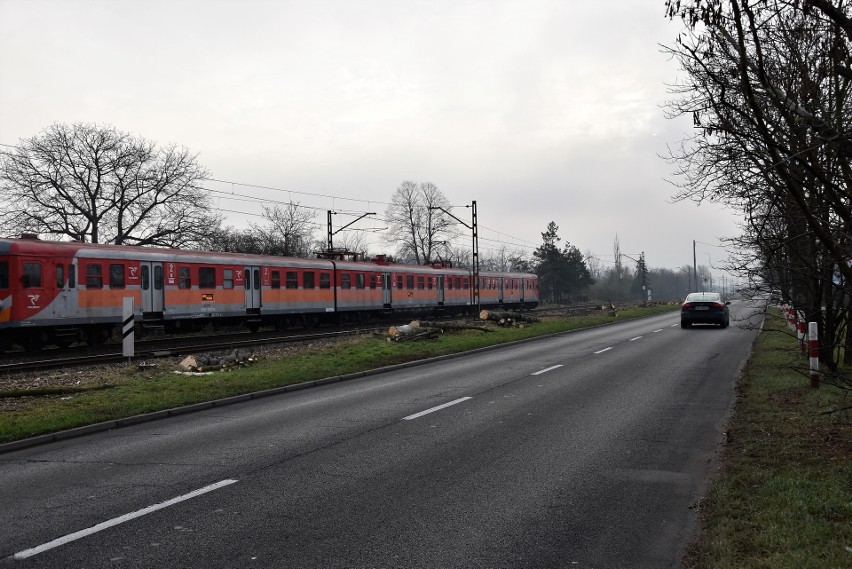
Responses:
[33,341]
[253,326]
[97,335]
[5,341]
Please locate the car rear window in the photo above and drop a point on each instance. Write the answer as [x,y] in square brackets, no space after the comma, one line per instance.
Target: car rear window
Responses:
[703,297]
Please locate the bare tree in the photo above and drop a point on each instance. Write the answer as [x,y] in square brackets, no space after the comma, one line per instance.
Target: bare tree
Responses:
[354,241]
[419,224]
[288,230]
[769,85]
[101,185]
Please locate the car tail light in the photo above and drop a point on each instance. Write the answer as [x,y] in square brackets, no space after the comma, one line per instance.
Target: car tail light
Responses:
[718,305]
[686,305]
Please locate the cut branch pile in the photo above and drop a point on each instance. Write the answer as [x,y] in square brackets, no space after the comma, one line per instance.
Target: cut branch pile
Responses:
[513,319]
[213,363]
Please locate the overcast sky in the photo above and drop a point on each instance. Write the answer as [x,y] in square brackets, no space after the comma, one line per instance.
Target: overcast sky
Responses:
[540,110]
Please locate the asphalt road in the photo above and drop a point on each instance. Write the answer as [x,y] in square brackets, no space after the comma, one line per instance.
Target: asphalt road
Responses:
[581,450]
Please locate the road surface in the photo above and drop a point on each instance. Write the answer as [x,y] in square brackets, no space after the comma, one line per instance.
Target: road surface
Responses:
[581,450]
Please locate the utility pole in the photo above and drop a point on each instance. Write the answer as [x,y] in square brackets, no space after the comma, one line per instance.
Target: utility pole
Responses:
[331,234]
[694,269]
[474,227]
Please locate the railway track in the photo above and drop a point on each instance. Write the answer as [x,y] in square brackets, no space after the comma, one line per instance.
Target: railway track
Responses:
[166,348]
[172,346]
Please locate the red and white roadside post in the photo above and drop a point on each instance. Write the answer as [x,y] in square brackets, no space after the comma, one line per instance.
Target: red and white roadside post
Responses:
[801,331]
[813,343]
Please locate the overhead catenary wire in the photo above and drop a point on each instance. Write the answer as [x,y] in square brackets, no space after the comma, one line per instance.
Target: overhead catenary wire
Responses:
[232,194]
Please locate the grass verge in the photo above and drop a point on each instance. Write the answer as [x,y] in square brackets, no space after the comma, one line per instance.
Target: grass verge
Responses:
[783,498]
[125,391]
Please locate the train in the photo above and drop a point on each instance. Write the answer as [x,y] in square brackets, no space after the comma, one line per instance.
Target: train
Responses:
[61,292]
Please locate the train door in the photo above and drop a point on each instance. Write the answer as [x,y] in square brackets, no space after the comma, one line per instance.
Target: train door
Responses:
[522,288]
[36,295]
[386,290]
[252,281]
[440,289]
[65,305]
[153,290]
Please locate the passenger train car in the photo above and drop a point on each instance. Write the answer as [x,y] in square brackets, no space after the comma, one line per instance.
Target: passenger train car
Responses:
[60,292]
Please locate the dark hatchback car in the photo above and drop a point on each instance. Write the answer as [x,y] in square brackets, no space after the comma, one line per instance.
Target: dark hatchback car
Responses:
[704,308]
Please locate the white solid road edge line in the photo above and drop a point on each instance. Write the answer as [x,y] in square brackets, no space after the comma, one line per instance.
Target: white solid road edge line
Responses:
[433,409]
[119,520]
[547,369]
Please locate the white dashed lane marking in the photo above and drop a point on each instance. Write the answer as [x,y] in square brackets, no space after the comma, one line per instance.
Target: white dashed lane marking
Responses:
[547,369]
[119,520]
[433,409]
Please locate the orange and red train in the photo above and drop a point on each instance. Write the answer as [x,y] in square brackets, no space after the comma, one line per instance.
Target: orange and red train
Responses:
[60,292]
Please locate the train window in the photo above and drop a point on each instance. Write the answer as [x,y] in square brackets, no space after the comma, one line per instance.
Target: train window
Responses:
[421,283]
[345,280]
[292,279]
[94,276]
[399,282]
[429,283]
[72,276]
[207,277]
[60,276]
[256,276]
[116,276]
[32,275]
[359,280]
[325,280]
[409,282]
[373,281]
[465,283]
[146,278]
[227,278]
[458,282]
[308,279]
[158,277]
[276,279]
[4,274]
[449,283]
[184,280]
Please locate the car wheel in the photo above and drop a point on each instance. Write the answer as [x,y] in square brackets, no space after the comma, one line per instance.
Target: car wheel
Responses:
[685,324]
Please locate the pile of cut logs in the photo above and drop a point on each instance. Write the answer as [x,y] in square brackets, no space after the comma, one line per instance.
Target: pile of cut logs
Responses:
[422,330]
[513,319]
[212,363]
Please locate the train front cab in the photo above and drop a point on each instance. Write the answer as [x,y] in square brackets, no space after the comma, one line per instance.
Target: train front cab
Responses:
[38,298]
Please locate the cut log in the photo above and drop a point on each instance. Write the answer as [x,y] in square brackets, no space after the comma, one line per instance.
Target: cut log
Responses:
[415,334]
[189,363]
[404,330]
[454,326]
